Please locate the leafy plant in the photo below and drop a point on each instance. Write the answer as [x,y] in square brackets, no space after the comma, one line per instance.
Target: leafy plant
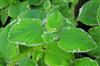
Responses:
[48,33]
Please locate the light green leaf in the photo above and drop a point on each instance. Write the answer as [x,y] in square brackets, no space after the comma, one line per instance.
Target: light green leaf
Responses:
[95,33]
[85,62]
[7,49]
[54,56]
[76,40]
[27,61]
[98,15]
[18,8]
[27,32]
[88,13]
[54,21]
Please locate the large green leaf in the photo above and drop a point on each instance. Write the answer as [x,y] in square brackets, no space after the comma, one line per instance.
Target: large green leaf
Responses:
[8,50]
[18,8]
[85,62]
[98,15]
[95,33]
[88,13]
[76,40]
[54,56]
[27,32]
[54,21]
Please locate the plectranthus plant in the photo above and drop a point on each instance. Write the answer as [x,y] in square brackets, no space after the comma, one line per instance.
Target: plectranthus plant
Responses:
[49,32]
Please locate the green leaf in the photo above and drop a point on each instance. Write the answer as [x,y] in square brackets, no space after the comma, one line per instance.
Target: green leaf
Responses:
[76,40]
[35,2]
[54,21]
[27,32]
[4,15]
[85,62]
[18,8]
[88,13]
[3,3]
[49,37]
[27,61]
[95,33]
[98,15]
[7,49]
[33,13]
[54,56]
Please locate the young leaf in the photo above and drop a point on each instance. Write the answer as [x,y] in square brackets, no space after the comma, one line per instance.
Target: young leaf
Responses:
[76,40]
[95,33]
[88,13]
[54,56]
[27,32]
[54,21]
[85,62]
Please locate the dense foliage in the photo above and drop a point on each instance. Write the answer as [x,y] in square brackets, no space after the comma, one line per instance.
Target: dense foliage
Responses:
[49,33]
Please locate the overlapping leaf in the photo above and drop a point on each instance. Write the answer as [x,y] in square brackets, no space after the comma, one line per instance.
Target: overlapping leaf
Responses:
[95,33]
[56,57]
[8,50]
[76,40]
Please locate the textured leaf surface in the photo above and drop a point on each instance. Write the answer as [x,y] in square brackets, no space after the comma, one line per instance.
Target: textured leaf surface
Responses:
[76,40]
[56,57]
[95,33]
[88,13]
[85,62]
[27,32]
